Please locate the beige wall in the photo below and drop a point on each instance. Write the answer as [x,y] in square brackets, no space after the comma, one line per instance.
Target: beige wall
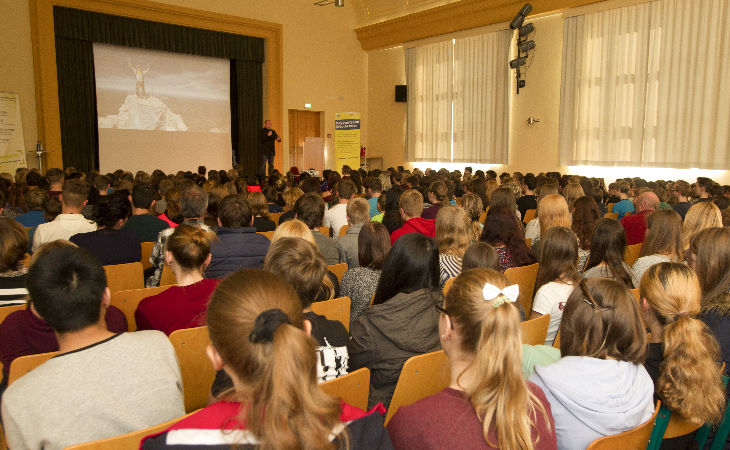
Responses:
[323,62]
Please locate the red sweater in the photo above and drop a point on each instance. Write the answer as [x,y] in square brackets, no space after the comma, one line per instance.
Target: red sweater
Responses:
[635,227]
[415,225]
[175,308]
[447,420]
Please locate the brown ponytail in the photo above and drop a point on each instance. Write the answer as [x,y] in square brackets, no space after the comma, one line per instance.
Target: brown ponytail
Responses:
[190,246]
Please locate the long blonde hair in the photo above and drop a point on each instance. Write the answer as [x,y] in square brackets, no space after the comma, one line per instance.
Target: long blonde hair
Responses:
[293,228]
[553,212]
[472,204]
[690,382]
[500,395]
[700,216]
[453,230]
[282,404]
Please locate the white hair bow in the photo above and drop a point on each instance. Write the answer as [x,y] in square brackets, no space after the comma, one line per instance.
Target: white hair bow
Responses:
[499,296]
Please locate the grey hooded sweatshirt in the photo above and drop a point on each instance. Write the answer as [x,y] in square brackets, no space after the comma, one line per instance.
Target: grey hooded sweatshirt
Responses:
[386,335]
[591,398]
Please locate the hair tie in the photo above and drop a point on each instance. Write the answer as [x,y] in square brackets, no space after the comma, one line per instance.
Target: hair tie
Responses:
[499,296]
[682,314]
[266,324]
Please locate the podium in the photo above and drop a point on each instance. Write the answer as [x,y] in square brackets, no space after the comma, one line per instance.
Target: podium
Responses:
[313,154]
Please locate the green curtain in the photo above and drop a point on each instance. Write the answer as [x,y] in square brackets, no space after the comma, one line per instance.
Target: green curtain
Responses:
[77,30]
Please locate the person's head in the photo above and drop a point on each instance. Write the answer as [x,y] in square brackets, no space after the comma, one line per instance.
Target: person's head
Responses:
[559,257]
[479,322]
[411,204]
[375,186]
[480,255]
[300,263]
[453,226]
[438,193]
[358,211]
[55,178]
[112,210]
[255,324]
[608,244]
[601,320]
[193,201]
[623,187]
[102,184]
[257,202]
[690,381]
[35,199]
[572,192]
[373,245]
[13,245]
[188,248]
[664,235]
[503,197]
[472,204]
[346,189]
[172,203]
[267,123]
[681,189]
[553,211]
[234,212]
[310,209]
[67,286]
[412,264]
[293,228]
[501,229]
[647,201]
[291,196]
[584,217]
[529,182]
[700,216]
[703,186]
[74,194]
[710,258]
[143,195]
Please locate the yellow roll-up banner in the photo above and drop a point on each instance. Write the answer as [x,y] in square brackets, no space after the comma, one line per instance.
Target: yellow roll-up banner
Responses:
[347,140]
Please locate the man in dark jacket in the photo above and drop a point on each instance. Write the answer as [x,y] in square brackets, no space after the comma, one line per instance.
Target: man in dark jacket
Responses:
[238,245]
[267,147]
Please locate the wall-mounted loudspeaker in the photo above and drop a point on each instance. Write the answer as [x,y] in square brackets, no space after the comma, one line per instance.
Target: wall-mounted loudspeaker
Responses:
[401,93]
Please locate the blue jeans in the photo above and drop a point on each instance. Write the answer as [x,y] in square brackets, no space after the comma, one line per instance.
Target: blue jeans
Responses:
[263,157]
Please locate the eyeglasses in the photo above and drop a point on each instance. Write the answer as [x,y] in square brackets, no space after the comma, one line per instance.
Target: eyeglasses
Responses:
[441,309]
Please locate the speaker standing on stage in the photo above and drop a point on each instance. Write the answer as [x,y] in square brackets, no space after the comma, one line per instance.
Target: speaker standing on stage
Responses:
[267,148]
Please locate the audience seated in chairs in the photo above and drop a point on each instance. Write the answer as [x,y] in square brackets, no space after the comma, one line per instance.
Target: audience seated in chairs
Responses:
[585,213]
[411,207]
[487,403]
[358,213]
[70,221]
[182,305]
[453,238]
[663,241]
[310,210]
[146,226]
[607,254]
[260,338]
[13,274]
[102,384]
[502,232]
[336,216]
[635,224]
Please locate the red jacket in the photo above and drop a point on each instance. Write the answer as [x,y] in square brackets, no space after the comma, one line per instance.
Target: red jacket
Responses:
[635,226]
[415,225]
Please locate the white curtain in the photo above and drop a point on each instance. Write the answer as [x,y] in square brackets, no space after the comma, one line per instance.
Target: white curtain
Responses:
[645,85]
[429,75]
[481,98]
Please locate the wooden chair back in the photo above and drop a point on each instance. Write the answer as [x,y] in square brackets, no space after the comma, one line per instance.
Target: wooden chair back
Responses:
[611,215]
[678,426]
[483,216]
[127,301]
[338,269]
[123,277]
[146,248]
[632,253]
[353,388]
[609,207]
[343,229]
[525,276]
[534,331]
[126,441]
[26,261]
[635,438]
[197,373]
[422,375]
[167,278]
[528,242]
[336,309]
[325,230]
[556,342]
[275,217]
[447,285]
[268,234]
[637,295]
[24,364]
[529,215]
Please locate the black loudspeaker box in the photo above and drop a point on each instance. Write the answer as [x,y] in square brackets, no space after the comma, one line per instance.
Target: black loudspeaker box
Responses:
[401,93]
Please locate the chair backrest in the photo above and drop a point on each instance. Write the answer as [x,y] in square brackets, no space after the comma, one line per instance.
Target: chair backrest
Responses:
[421,376]
[24,364]
[275,217]
[483,216]
[197,373]
[353,388]
[167,278]
[338,269]
[325,230]
[146,248]
[611,215]
[447,285]
[127,301]
[609,207]
[678,426]
[26,260]
[556,342]
[528,242]
[127,441]
[525,276]
[534,331]
[632,253]
[529,215]
[637,295]
[635,438]
[122,277]
[336,309]
[343,229]
[268,234]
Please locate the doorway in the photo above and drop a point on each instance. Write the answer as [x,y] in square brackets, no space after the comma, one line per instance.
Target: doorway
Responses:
[302,124]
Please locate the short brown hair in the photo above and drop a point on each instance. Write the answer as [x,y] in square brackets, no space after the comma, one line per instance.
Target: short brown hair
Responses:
[601,320]
[346,188]
[234,212]
[75,192]
[310,209]
[373,245]
[358,210]
[13,244]
[682,187]
[35,199]
[300,263]
[411,202]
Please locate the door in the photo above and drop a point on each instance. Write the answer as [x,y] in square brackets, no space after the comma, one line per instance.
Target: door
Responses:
[302,124]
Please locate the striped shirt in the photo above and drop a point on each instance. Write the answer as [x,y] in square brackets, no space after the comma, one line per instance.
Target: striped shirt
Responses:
[12,288]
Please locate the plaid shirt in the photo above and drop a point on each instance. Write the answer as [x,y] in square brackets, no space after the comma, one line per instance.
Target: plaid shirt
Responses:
[157,258]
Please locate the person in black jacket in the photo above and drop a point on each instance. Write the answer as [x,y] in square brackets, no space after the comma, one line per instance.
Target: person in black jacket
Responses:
[267,147]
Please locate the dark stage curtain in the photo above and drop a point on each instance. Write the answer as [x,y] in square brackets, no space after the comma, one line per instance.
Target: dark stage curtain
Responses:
[76,30]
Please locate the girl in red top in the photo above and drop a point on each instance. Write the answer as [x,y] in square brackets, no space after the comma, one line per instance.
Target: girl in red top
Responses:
[183,305]
[488,403]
